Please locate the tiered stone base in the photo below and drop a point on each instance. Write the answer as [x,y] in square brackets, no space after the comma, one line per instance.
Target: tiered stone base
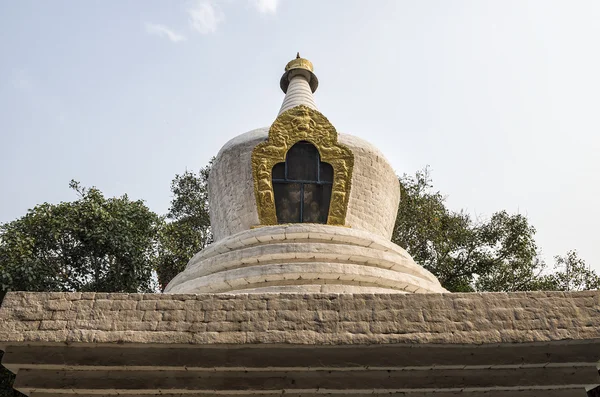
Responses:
[315,345]
[304,258]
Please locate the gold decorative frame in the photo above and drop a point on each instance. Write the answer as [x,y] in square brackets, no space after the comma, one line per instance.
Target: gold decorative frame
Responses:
[302,123]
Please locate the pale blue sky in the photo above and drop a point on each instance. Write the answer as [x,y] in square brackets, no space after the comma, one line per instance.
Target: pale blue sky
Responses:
[500,98]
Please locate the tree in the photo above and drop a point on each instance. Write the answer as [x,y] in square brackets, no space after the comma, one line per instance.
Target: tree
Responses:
[90,244]
[100,244]
[498,254]
[438,239]
[571,274]
[187,230]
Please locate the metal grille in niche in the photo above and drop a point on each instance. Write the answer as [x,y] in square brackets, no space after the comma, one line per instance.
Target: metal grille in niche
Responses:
[302,186]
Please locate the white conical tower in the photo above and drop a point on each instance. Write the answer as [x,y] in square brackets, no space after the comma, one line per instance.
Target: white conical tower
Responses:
[255,251]
[298,83]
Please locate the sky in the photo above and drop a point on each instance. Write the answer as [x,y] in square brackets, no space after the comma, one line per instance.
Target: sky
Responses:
[501,99]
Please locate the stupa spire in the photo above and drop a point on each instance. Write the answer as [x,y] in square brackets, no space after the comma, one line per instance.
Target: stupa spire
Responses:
[297,207]
[298,83]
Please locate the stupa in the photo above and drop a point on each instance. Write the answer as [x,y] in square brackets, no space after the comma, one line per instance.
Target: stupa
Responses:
[302,294]
[298,207]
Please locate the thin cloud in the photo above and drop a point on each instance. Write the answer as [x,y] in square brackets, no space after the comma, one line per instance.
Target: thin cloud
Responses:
[163,31]
[265,6]
[204,16]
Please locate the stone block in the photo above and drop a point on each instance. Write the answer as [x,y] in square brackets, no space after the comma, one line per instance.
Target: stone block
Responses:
[172,304]
[58,304]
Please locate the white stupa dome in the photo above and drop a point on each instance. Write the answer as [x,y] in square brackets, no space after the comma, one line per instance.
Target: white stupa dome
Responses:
[298,207]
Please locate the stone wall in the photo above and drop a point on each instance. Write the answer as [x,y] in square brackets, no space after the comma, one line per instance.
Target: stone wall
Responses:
[325,319]
[436,345]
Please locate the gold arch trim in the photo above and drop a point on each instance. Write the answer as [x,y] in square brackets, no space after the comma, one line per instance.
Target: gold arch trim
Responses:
[302,123]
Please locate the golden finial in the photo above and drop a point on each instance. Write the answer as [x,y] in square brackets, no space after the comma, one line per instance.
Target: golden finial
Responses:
[299,64]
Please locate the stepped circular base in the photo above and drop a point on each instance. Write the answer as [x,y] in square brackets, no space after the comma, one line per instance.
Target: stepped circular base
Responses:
[303,258]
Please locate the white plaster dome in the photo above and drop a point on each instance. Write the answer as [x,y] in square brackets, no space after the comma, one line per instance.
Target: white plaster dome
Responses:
[372,206]
[248,256]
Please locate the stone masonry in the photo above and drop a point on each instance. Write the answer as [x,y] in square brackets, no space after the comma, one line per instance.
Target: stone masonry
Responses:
[439,345]
[300,319]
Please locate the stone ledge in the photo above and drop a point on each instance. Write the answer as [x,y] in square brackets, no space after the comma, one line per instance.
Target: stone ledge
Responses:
[304,319]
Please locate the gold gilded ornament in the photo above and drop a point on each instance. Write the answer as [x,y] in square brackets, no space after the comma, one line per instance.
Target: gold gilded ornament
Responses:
[302,123]
[299,63]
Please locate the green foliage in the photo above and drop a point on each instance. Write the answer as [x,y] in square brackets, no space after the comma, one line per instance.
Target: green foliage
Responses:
[571,274]
[100,244]
[498,254]
[187,229]
[90,244]
[438,239]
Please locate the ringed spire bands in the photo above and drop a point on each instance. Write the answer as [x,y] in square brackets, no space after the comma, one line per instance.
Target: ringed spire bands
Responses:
[298,83]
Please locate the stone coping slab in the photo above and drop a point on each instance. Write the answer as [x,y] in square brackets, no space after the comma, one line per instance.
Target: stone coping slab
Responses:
[301,319]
